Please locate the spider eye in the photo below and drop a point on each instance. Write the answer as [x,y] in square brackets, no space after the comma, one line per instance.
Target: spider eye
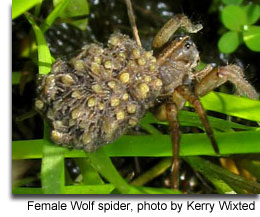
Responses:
[187,45]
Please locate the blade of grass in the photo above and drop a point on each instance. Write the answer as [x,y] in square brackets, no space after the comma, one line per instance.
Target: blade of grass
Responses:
[44,55]
[155,171]
[95,189]
[27,149]
[54,14]
[90,175]
[192,119]
[52,171]
[206,168]
[19,7]
[24,190]
[76,8]
[75,189]
[149,190]
[232,105]
[155,146]
[221,186]
[102,163]
[76,13]
[37,9]
[191,144]
[146,124]
[89,189]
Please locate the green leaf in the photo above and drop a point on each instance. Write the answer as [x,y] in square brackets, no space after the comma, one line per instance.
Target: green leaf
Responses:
[209,169]
[89,189]
[233,17]
[75,8]
[241,107]
[152,173]
[192,119]
[95,189]
[44,55]
[81,23]
[191,144]
[149,190]
[90,175]
[74,12]
[252,12]
[54,14]
[37,9]
[205,168]
[228,42]
[52,171]
[19,7]
[74,189]
[24,190]
[243,142]
[27,149]
[232,2]
[187,118]
[251,37]
[102,163]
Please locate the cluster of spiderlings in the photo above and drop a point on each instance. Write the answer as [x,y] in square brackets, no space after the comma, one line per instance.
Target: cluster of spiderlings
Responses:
[93,99]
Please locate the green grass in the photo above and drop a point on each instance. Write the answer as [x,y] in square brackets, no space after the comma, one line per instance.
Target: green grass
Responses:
[232,138]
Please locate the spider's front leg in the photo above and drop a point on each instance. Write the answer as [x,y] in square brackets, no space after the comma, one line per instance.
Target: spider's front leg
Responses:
[212,78]
[176,22]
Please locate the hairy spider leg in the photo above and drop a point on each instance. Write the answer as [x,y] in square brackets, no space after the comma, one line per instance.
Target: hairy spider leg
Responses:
[212,78]
[167,31]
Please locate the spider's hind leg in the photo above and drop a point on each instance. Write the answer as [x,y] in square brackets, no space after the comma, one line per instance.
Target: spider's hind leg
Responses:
[169,111]
[172,117]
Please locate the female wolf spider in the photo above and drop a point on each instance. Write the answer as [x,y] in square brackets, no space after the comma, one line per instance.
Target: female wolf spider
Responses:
[177,66]
[94,98]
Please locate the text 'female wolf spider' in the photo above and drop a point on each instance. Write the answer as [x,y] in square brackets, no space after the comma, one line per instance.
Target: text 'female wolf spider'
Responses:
[94,98]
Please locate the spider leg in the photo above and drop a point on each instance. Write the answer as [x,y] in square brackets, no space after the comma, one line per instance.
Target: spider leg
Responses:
[218,76]
[169,112]
[172,117]
[194,100]
[178,21]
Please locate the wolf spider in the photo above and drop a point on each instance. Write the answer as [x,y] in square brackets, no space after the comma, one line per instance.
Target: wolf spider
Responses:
[177,61]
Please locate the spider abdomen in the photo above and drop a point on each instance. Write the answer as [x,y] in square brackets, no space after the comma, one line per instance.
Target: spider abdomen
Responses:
[92,99]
